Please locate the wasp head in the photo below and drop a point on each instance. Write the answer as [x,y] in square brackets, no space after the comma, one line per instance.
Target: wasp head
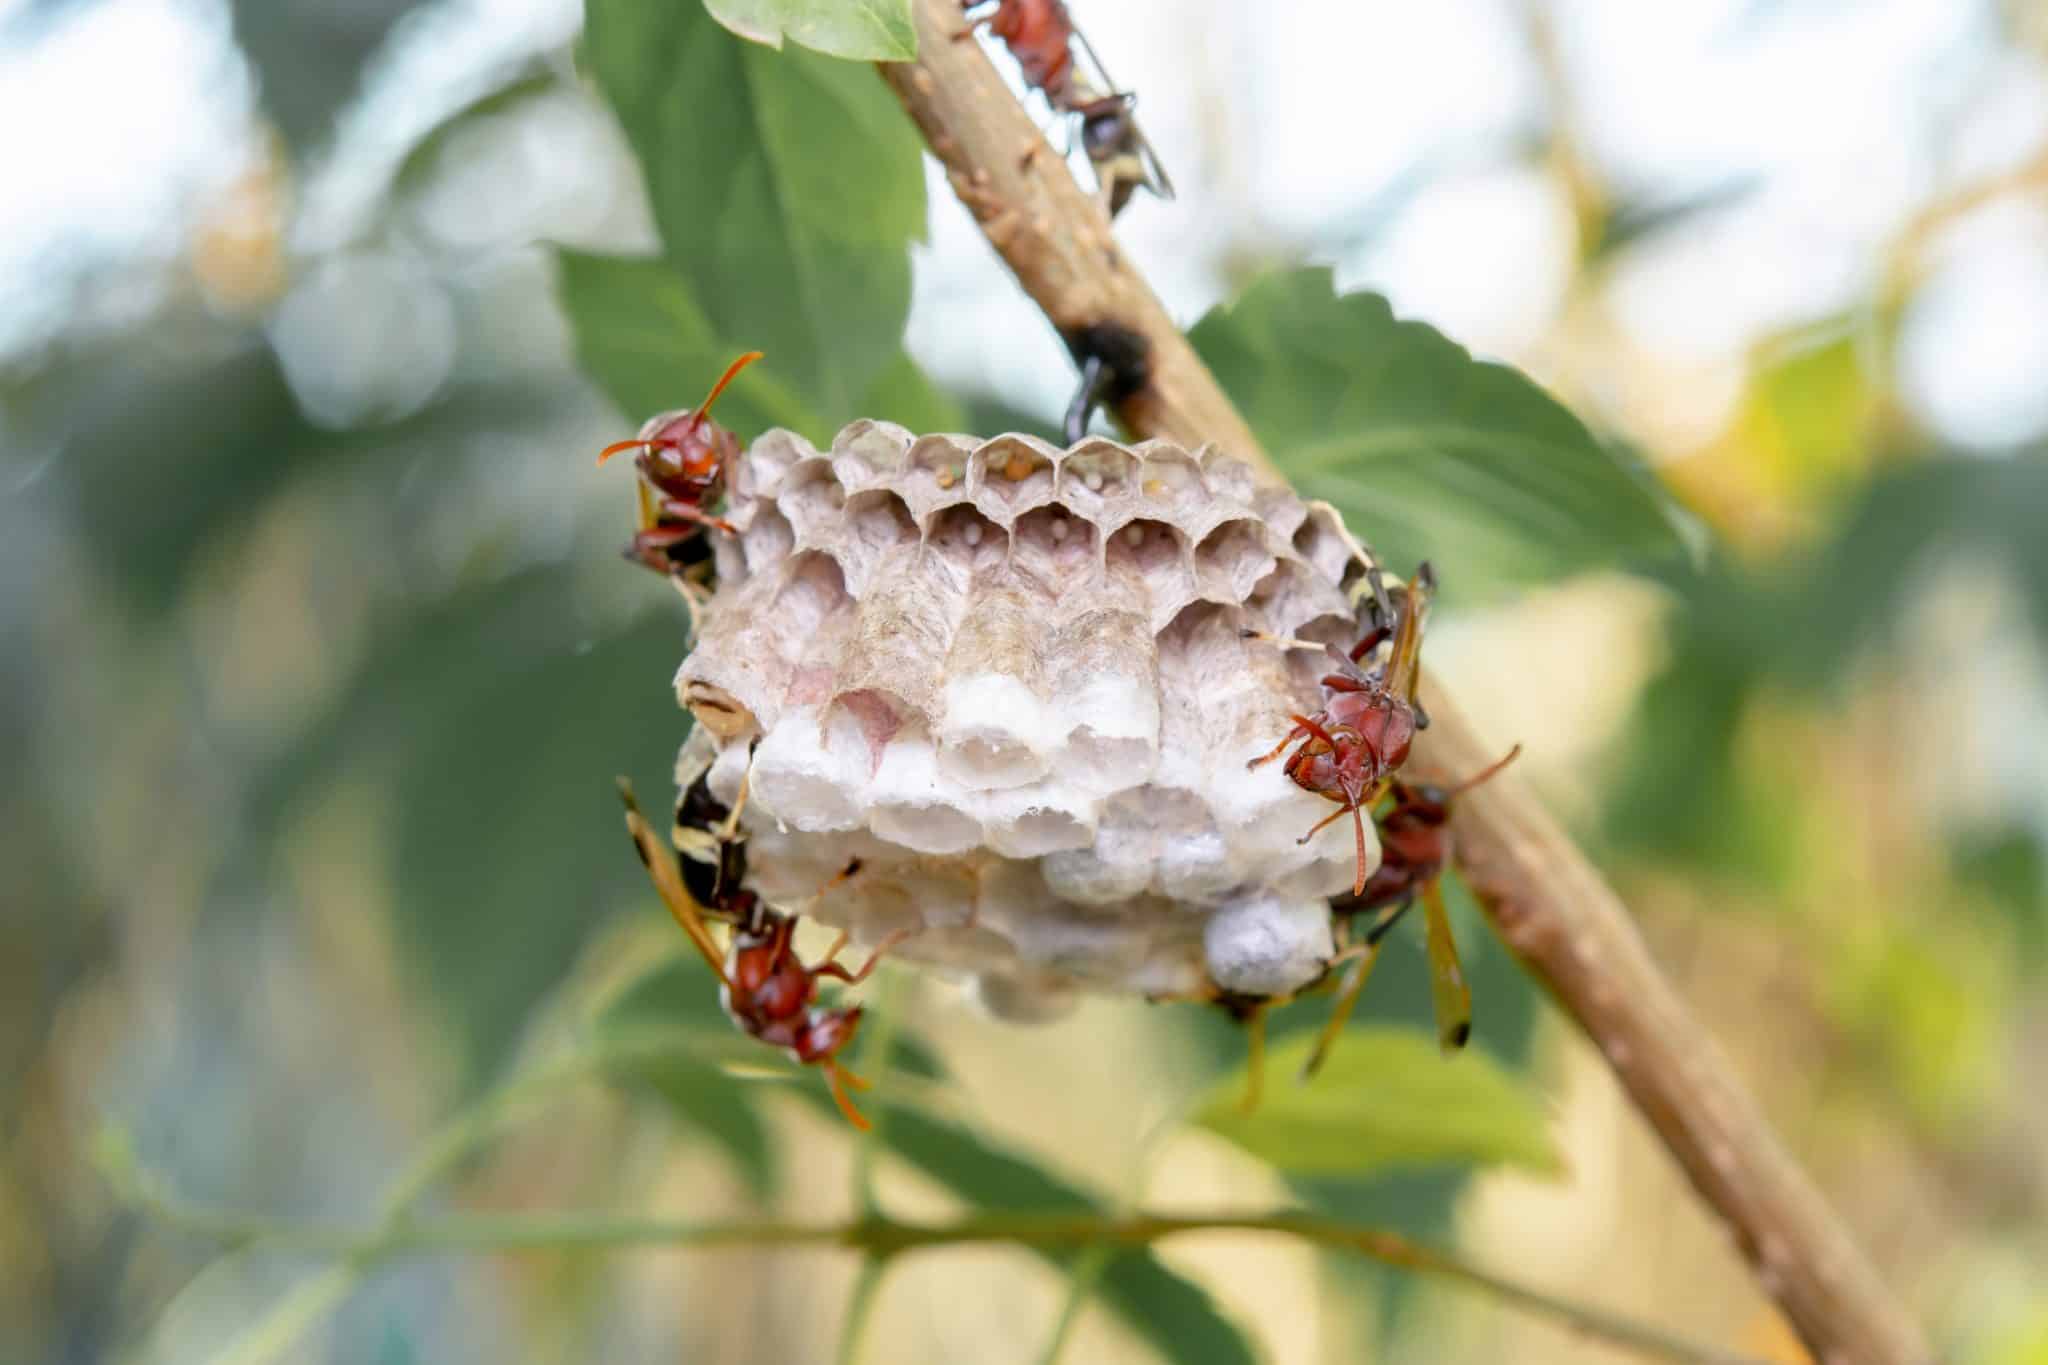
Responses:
[685,454]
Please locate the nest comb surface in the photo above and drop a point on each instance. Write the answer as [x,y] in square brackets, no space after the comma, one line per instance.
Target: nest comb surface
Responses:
[1012,680]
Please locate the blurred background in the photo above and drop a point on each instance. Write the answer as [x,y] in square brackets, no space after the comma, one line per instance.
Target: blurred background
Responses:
[319,658]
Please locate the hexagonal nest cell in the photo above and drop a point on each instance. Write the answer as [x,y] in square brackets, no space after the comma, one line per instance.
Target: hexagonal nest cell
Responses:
[1014,681]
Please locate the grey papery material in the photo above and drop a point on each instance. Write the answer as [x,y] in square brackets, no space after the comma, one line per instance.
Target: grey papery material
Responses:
[1012,680]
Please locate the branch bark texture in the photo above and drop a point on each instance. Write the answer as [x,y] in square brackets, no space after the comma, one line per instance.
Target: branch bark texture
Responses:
[1548,902]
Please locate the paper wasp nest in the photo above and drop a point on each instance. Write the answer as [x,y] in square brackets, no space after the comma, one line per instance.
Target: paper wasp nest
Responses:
[1012,681]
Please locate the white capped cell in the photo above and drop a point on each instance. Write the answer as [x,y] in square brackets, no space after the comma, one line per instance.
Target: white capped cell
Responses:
[1046,817]
[806,780]
[996,733]
[1081,875]
[1268,944]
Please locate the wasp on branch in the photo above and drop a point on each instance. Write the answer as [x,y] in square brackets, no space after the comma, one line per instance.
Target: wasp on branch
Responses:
[1350,752]
[1041,36]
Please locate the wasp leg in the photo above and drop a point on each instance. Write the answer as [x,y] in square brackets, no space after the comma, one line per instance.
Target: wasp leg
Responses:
[1087,398]
[1332,818]
[841,1080]
[676,507]
[730,828]
[1447,985]
[1115,363]
[1363,957]
[1295,642]
[838,973]
[1296,733]
[694,602]
[1254,1058]
[1366,956]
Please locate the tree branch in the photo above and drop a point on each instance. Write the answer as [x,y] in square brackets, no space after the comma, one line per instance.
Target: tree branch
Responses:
[1547,900]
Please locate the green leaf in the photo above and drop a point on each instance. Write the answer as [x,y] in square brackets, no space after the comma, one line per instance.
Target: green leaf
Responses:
[859,30]
[676,994]
[905,395]
[786,188]
[508,844]
[641,334]
[1428,452]
[676,998]
[1861,585]
[224,436]
[1632,221]
[1387,1097]
[989,416]
[1172,1313]
[716,1105]
[2008,866]
[1799,626]
[309,59]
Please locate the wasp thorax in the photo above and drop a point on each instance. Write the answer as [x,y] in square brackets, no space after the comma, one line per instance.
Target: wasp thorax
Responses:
[1014,681]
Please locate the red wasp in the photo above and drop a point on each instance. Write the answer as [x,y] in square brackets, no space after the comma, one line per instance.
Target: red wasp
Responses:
[682,466]
[1041,36]
[1351,749]
[1124,161]
[1415,844]
[768,992]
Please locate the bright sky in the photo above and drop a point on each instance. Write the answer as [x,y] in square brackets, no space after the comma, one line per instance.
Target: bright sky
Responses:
[1302,122]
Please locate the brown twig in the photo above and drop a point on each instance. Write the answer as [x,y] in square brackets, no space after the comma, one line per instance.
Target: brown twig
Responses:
[1547,900]
[1054,236]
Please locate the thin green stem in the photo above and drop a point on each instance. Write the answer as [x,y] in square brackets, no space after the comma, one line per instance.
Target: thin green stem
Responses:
[475,1127]
[1081,1280]
[276,1331]
[883,1238]
[860,1308]
[877,1047]
[395,1233]
[885,1009]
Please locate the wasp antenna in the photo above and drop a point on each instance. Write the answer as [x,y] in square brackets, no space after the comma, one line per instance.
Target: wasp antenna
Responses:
[731,372]
[1488,775]
[638,443]
[1358,824]
[1265,637]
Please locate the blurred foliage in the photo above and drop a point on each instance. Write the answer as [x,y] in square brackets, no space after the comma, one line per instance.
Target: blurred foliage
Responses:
[1799,624]
[860,30]
[1385,1099]
[1161,1306]
[309,57]
[786,187]
[228,630]
[1427,452]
